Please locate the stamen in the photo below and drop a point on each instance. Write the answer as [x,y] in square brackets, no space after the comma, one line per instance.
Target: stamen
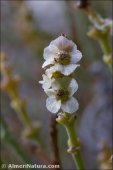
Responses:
[64,58]
[62,95]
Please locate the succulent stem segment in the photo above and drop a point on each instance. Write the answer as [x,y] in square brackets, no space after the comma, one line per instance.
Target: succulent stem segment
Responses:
[68,121]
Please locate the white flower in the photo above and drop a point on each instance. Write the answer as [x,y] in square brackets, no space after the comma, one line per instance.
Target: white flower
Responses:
[62,98]
[46,82]
[63,54]
[65,70]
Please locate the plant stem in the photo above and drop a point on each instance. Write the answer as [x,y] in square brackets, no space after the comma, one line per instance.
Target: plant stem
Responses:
[54,141]
[68,121]
[106,47]
[25,117]
[73,141]
[102,35]
[104,42]
[27,122]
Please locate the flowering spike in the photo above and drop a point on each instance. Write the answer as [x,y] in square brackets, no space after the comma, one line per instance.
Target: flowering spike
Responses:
[61,57]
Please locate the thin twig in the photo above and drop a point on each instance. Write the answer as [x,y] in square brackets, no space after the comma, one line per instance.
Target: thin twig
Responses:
[72,22]
[54,140]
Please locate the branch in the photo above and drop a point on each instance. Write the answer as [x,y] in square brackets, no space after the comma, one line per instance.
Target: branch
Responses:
[54,140]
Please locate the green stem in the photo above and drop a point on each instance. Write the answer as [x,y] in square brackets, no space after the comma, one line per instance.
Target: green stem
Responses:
[73,141]
[68,121]
[101,35]
[25,117]
[105,45]
[27,122]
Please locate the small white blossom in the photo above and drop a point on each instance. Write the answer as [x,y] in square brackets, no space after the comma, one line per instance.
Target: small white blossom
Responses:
[63,54]
[62,98]
[46,82]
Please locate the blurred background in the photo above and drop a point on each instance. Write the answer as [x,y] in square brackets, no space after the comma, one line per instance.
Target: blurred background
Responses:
[27,27]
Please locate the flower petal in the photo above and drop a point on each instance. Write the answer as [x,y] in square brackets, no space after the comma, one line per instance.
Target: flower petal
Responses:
[106,23]
[64,44]
[50,92]
[66,70]
[48,62]
[41,81]
[70,106]
[55,85]
[46,85]
[76,56]
[52,104]
[49,51]
[46,82]
[73,86]
[50,71]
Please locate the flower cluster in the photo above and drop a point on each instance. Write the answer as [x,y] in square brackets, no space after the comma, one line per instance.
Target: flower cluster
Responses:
[61,58]
[103,26]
